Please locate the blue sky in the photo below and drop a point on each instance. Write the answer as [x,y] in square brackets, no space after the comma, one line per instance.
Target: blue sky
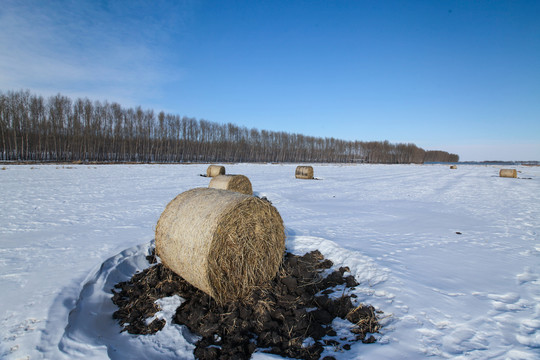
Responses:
[459,76]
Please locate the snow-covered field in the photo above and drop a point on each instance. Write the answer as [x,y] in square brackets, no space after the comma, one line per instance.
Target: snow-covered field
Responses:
[452,257]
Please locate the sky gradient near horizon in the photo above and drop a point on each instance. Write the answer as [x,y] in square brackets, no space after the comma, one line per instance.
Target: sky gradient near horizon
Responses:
[458,76]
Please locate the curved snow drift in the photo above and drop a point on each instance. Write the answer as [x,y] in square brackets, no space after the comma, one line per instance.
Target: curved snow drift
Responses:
[92,333]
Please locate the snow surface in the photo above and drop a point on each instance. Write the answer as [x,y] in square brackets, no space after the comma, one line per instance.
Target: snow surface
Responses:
[452,257]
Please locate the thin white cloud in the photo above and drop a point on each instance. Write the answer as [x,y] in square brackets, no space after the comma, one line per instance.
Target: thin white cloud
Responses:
[83,48]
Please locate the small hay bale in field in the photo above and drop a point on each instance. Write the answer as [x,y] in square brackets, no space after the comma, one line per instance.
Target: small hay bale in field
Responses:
[453,166]
[304,172]
[215,170]
[238,183]
[222,242]
[511,173]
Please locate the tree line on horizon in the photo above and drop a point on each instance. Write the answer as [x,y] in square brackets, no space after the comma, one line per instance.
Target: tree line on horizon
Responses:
[58,128]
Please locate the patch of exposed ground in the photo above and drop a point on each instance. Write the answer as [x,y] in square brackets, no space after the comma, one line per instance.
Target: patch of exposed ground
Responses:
[292,318]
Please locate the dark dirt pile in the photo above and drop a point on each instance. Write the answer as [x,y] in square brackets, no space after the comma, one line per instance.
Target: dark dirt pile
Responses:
[292,318]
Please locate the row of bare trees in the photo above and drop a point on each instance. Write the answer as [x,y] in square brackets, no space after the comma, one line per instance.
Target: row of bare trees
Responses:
[61,129]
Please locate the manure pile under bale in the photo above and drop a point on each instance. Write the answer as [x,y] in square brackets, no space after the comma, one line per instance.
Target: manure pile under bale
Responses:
[215,170]
[222,242]
[304,172]
[510,173]
[238,183]
[294,317]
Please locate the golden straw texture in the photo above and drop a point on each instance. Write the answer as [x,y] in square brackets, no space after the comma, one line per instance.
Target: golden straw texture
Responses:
[511,173]
[215,170]
[304,172]
[238,183]
[222,242]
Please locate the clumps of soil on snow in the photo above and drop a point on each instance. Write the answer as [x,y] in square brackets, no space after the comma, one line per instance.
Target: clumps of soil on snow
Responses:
[291,318]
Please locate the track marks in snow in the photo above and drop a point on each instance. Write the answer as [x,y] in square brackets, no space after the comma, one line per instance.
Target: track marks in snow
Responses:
[17,335]
[526,276]
[508,302]
[529,327]
[529,330]
[475,338]
[464,340]
[506,313]
[451,294]
[508,318]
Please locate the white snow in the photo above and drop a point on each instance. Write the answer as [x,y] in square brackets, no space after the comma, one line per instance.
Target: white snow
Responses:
[69,233]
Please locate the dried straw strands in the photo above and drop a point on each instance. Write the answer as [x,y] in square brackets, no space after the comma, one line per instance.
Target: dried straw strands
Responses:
[511,173]
[238,183]
[215,170]
[304,172]
[222,242]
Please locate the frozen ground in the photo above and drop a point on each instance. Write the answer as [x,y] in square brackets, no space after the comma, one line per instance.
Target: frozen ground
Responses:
[452,257]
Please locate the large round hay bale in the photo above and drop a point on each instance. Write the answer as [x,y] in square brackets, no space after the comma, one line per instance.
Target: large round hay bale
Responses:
[511,173]
[215,170]
[238,183]
[453,167]
[304,172]
[222,242]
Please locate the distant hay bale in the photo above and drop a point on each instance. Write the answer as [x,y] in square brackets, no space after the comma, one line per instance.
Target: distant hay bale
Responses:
[453,166]
[222,242]
[511,173]
[215,170]
[238,183]
[304,172]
